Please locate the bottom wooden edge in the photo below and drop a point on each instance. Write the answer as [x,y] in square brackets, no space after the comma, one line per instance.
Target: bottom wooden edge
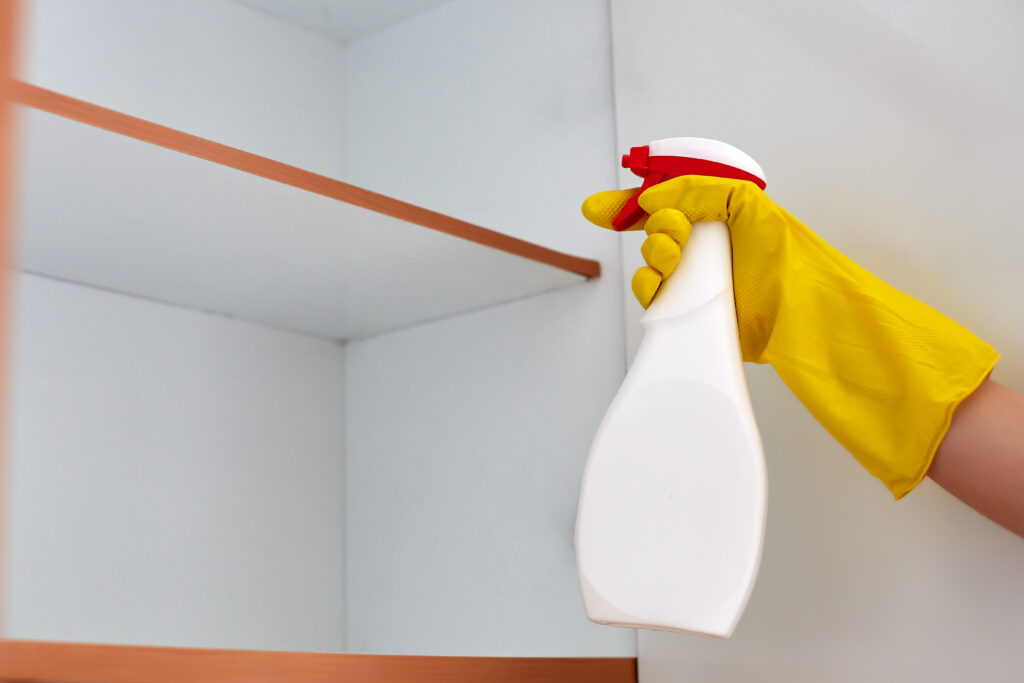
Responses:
[86,663]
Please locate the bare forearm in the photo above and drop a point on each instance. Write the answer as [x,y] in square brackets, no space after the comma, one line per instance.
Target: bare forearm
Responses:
[981,459]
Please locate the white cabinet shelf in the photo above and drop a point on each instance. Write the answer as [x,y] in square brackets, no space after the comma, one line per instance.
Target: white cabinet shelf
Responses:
[220,230]
[199,485]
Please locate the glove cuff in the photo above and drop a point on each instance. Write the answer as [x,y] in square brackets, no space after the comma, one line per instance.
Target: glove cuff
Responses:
[881,371]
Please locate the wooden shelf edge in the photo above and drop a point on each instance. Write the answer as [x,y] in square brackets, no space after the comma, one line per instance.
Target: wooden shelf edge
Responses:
[109,119]
[84,663]
[10,17]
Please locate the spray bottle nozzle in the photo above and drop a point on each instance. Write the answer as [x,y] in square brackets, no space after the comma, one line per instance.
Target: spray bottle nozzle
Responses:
[666,164]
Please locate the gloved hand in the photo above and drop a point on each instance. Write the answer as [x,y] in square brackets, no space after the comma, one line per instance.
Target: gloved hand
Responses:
[878,369]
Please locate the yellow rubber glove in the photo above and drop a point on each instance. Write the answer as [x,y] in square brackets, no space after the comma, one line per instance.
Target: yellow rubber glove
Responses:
[878,369]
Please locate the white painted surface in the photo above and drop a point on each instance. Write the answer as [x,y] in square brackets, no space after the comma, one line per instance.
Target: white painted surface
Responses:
[342,20]
[893,131]
[218,70]
[466,437]
[470,432]
[109,211]
[176,478]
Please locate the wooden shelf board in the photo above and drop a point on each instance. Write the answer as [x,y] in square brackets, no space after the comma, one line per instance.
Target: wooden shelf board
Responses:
[101,117]
[86,663]
[117,203]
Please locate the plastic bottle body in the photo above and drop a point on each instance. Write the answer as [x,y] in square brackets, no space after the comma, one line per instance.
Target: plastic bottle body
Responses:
[672,509]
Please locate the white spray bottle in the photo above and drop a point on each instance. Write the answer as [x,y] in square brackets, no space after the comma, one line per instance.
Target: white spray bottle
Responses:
[672,507]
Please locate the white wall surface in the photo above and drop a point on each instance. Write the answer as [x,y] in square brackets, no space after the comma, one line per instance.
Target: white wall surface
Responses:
[219,70]
[341,20]
[893,130]
[466,437]
[176,478]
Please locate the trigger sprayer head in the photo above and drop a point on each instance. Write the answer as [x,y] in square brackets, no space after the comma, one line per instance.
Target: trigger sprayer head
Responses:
[673,157]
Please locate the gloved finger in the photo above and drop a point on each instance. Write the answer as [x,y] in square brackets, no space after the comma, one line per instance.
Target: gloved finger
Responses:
[661,253]
[646,282]
[602,208]
[700,198]
[671,222]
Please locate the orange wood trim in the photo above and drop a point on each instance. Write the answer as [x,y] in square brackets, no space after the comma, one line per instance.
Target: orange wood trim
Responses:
[81,663]
[147,131]
[10,14]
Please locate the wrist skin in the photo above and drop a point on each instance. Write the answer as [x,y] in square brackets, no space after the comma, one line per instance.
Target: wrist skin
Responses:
[981,457]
